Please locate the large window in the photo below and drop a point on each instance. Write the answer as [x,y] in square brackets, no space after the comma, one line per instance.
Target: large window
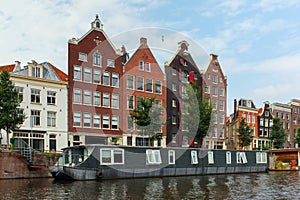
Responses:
[221,105]
[158,87]
[77,119]
[106,100]
[106,77]
[228,157]
[51,98]
[171,156]
[77,95]
[149,85]
[111,156]
[194,157]
[97,59]
[261,157]
[115,122]
[130,82]
[35,118]
[97,75]
[153,157]
[241,157]
[51,119]
[97,98]
[140,83]
[87,97]
[105,122]
[87,120]
[77,72]
[115,80]
[35,96]
[87,75]
[130,102]
[115,101]
[210,155]
[96,121]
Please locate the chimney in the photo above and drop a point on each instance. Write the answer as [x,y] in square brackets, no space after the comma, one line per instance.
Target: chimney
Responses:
[234,106]
[17,65]
[213,56]
[143,41]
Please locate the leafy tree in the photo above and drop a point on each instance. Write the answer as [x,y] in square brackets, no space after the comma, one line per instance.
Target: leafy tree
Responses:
[297,138]
[277,135]
[196,115]
[10,115]
[245,134]
[147,116]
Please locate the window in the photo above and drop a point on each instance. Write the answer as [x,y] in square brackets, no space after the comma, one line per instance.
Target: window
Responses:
[87,120]
[267,113]
[214,78]
[194,158]
[51,97]
[77,72]
[87,75]
[221,105]
[210,155]
[130,82]
[141,65]
[77,95]
[214,90]
[184,77]
[214,132]
[115,101]
[35,96]
[97,59]
[51,119]
[129,123]
[96,121]
[221,133]
[149,85]
[87,97]
[261,157]
[106,100]
[82,56]
[173,72]
[35,72]
[253,119]
[222,92]
[111,156]
[106,77]
[248,118]
[174,87]
[140,83]
[241,157]
[148,67]
[97,99]
[130,102]
[153,157]
[77,119]
[228,157]
[171,156]
[97,75]
[110,63]
[206,89]
[35,118]
[158,87]
[20,93]
[115,122]
[222,119]
[173,103]
[174,119]
[105,122]
[115,80]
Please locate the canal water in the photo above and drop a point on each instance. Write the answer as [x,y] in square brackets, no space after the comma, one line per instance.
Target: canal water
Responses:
[273,185]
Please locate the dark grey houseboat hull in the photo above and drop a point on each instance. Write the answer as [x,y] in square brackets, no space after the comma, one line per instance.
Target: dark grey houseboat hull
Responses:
[135,162]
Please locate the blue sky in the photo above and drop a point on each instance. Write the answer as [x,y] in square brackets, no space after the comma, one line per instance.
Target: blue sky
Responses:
[258,41]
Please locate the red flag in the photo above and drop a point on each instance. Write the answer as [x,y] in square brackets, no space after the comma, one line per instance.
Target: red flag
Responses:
[192,77]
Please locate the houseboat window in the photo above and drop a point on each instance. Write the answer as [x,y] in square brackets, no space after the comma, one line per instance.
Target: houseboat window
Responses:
[153,157]
[261,157]
[111,156]
[171,157]
[241,157]
[228,157]
[194,157]
[210,157]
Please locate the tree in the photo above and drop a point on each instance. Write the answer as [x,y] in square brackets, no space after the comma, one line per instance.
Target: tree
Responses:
[147,116]
[196,115]
[277,135]
[245,134]
[10,115]
[297,137]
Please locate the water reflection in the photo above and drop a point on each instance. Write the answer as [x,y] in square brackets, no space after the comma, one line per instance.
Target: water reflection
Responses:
[239,186]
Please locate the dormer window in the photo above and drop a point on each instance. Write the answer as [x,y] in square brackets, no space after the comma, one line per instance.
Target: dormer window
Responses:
[98,24]
[35,71]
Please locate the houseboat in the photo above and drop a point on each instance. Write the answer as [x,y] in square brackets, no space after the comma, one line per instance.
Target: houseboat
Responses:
[284,159]
[90,162]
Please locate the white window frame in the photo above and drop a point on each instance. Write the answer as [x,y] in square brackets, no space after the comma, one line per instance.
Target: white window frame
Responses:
[87,120]
[127,82]
[171,153]
[87,97]
[137,85]
[141,65]
[105,117]
[112,160]
[87,75]
[241,158]
[148,67]
[51,119]
[228,157]
[97,99]
[115,101]
[77,73]
[115,122]
[261,157]
[97,58]
[158,84]
[210,156]
[51,97]
[149,81]
[97,73]
[115,76]
[105,73]
[194,158]
[95,118]
[105,100]
[153,157]
[77,115]
[110,63]
[82,56]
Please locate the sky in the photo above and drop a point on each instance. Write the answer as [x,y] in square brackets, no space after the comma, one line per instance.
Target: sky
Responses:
[257,41]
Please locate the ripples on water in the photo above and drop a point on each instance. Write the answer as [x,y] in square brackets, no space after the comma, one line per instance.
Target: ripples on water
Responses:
[273,185]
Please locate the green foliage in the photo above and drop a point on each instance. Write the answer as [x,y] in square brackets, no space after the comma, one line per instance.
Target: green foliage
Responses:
[245,134]
[11,117]
[297,137]
[277,135]
[196,117]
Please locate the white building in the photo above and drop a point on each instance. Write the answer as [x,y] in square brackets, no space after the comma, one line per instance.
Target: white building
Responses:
[43,90]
